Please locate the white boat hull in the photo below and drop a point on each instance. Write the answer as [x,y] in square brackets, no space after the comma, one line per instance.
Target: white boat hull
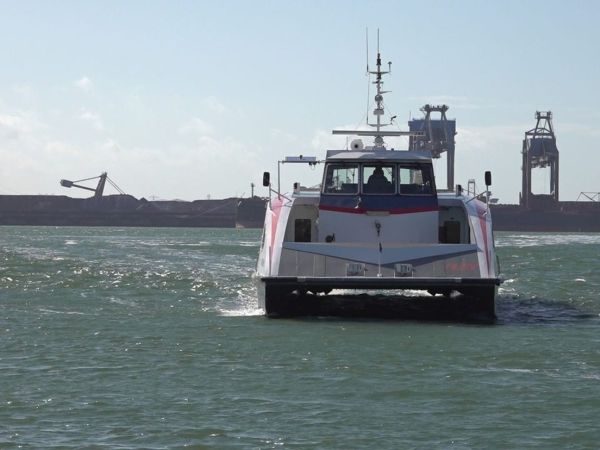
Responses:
[294,276]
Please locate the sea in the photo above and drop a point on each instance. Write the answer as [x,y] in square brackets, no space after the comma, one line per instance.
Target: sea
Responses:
[147,338]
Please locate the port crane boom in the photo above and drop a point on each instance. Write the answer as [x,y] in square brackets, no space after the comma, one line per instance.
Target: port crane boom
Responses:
[99,190]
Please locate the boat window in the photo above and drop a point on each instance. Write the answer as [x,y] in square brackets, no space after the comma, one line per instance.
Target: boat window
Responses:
[341,179]
[302,230]
[416,179]
[450,232]
[378,179]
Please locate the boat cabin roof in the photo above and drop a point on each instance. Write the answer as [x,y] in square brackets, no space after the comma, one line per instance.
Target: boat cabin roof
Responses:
[377,155]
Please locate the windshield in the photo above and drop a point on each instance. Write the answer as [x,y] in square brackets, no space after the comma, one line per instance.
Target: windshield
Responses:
[415,179]
[341,179]
[409,178]
[379,179]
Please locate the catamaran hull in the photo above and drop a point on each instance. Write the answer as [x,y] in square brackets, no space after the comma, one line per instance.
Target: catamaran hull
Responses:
[463,299]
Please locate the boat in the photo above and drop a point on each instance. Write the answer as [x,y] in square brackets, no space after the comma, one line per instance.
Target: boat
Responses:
[376,238]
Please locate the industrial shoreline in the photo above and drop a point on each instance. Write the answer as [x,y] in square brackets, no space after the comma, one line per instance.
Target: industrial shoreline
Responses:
[234,212]
[127,211]
[535,212]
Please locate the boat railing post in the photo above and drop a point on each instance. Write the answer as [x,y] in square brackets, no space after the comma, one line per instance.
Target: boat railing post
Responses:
[379,262]
[488,183]
[279,180]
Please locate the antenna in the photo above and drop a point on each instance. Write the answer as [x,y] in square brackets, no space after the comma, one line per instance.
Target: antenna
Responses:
[368,74]
[376,128]
[378,98]
[367,51]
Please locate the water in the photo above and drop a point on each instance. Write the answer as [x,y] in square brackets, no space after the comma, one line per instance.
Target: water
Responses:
[150,338]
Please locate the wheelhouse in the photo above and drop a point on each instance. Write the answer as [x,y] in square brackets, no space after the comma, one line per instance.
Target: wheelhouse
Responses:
[397,187]
[378,178]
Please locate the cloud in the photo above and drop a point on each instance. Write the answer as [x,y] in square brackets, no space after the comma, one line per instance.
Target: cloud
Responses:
[488,137]
[194,162]
[58,148]
[579,129]
[323,140]
[196,126]
[214,105]
[84,83]
[110,146]
[15,126]
[23,90]
[93,118]
[283,137]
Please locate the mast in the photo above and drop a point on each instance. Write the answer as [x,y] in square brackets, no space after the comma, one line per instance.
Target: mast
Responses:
[379,111]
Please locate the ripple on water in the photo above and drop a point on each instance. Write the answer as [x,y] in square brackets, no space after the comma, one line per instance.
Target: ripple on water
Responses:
[545,239]
[516,309]
[145,338]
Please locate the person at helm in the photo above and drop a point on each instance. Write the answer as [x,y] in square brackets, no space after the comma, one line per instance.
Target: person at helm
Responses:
[378,182]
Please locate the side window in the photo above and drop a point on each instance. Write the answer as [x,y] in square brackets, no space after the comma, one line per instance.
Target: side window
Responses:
[379,179]
[302,230]
[341,179]
[416,179]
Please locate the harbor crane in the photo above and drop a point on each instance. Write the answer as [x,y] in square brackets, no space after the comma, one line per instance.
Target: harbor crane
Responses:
[437,137]
[99,190]
[540,151]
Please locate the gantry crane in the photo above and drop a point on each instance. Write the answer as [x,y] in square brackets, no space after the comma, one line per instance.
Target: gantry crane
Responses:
[438,137]
[540,151]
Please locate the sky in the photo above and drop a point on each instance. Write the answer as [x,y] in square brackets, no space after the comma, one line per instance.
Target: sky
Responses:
[195,99]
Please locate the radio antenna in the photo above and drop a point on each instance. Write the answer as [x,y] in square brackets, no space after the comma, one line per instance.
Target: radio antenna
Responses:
[368,74]
[367,36]
[376,127]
